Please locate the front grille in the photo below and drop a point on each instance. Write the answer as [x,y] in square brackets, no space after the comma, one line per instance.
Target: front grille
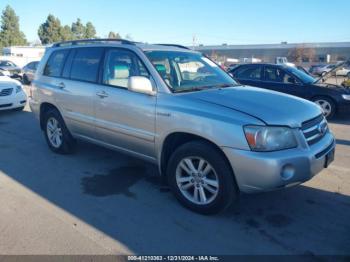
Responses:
[5,105]
[6,92]
[314,129]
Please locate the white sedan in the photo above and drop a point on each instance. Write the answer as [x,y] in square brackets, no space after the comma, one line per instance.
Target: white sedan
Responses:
[12,95]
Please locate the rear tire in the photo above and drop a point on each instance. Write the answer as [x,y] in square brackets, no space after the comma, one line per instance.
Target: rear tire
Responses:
[56,133]
[209,174]
[327,105]
[25,80]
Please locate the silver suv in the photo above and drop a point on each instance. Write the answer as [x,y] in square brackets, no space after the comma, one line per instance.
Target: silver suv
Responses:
[174,107]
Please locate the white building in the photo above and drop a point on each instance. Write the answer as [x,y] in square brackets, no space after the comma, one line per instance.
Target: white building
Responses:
[22,55]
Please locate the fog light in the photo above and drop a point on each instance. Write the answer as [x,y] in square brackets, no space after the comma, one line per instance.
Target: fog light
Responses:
[287,172]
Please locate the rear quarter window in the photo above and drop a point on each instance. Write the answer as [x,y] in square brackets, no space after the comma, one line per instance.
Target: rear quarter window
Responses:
[55,63]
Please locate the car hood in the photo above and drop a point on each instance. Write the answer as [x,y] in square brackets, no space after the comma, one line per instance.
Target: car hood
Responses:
[339,88]
[6,81]
[271,107]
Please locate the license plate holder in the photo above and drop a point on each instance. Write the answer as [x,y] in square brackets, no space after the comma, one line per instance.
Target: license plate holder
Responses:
[329,158]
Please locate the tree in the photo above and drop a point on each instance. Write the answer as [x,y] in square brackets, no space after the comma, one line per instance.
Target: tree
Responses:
[90,31]
[10,33]
[66,33]
[114,35]
[78,30]
[50,31]
[301,54]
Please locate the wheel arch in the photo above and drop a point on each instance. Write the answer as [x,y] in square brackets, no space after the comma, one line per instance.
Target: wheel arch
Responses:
[175,140]
[45,107]
[328,97]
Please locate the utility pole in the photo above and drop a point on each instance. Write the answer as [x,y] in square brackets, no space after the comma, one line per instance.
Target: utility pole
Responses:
[194,40]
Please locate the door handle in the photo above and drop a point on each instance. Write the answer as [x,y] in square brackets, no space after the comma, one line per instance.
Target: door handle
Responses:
[102,94]
[61,85]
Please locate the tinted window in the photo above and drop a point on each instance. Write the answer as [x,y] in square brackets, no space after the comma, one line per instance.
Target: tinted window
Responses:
[120,65]
[85,64]
[55,64]
[248,72]
[275,74]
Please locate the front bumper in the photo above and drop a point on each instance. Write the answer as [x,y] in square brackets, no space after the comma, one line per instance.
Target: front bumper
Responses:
[15,100]
[344,107]
[265,171]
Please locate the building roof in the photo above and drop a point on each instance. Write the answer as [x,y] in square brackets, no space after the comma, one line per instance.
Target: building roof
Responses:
[275,46]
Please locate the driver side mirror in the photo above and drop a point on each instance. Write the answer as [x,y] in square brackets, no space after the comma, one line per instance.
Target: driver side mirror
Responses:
[141,84]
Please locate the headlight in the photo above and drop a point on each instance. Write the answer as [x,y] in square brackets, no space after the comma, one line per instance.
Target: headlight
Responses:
[346,97]
[269,138]
[18,89]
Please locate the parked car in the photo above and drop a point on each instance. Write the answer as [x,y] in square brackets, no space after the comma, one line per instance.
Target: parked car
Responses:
[314,68]
[28,72]
[331,98]
[15,71]
[323,70]
[12,95]
[4,73]
[343,71]
[170,105]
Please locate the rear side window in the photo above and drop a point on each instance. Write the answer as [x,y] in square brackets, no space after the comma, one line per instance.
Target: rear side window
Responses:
[248,72]
[86,63]
[55,64]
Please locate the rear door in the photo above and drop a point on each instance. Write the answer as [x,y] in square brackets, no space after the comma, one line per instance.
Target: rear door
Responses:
[249,75]
[75,89]
[124,119]
[278,79]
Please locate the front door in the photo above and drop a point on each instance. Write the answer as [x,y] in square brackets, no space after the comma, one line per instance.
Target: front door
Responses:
[124,119]
[280,80]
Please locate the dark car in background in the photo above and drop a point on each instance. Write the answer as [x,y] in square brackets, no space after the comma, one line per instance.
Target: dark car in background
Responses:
[29,71]
[15,71]
[331,98]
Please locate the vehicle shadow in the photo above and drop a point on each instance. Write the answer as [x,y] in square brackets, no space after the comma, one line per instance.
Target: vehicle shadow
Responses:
[124,198]
[340,119]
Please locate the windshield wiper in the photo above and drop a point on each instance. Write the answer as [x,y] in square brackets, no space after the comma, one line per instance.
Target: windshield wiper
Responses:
[200,88]
[190,89]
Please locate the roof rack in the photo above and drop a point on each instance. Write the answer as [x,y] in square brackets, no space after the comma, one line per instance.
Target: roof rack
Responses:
[179,46]
[87,41]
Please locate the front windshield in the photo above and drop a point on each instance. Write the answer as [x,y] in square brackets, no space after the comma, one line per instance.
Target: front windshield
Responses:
[305,78]
[185,71]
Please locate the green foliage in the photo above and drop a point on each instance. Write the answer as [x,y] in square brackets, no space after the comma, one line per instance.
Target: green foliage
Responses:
[10,33]
[78,30]
[90,31]
[50,31]
[66,33]
[114,35]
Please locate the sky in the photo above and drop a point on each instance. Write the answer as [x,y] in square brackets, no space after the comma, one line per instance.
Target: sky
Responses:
[208,21]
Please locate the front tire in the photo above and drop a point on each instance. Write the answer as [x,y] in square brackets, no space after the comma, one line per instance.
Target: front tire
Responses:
[56,133]
[200,178]
[327,105]
[26,80]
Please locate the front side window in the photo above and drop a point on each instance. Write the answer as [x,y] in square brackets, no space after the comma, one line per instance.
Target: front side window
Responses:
[120,65]
[185,71]
[252,72]
[85,64]
[55,63]
[275,74]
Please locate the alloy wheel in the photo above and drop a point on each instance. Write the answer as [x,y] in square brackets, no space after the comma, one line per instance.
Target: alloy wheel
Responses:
[325,106]
[197,180]
[54,132]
